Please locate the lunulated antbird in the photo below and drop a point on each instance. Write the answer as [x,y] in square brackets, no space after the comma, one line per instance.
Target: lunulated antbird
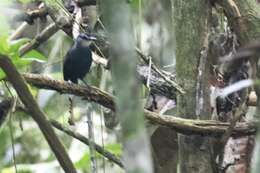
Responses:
[77,63]
[78,59]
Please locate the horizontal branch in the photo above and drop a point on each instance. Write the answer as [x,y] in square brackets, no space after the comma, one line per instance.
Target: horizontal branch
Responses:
[181,125]
[86,92]
[201,127]
[110,156]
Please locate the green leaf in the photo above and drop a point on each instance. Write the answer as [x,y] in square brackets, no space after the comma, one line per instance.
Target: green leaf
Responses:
[34,55]
[135,4]
[83,162]
[11,48]
[20,63]
[20,169]
[2,74]
[16,44]
[4,46]
[114,148]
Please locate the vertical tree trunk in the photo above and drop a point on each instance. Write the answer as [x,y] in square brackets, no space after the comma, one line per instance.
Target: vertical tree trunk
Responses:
[255,167]
[136,150]
[191,27]
[254,27]
[164,140]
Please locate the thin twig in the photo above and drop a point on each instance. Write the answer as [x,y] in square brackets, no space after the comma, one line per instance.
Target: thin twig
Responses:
[91,143]
[149,73]
[11,132]
[10,111]
[110,156]
[167,79]
[17,33]
[102,137]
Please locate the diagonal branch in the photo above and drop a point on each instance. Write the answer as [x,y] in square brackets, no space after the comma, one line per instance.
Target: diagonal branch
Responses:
[158,84]
[110,156]
[166,78]
[22,90]
[31,15]
[39,39]
[235,19]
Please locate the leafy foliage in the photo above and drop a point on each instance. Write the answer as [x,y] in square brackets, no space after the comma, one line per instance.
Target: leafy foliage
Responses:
[31,150]
[84,162]
[11,49]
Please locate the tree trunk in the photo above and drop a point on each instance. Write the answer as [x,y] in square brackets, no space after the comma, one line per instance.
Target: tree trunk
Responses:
[191,28]
[136,149]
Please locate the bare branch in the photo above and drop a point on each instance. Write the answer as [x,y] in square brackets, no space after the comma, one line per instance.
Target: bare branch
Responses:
[87,93]
[166,78]
[110,156]
[39,12]
[181,125]
[158,85]
[200,127]
[39,39]
[235,19]
[24,94]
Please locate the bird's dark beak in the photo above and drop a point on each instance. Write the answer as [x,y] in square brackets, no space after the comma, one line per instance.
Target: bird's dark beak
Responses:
[88,37]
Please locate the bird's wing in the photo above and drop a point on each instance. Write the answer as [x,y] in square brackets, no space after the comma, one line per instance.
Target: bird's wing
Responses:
[67,69]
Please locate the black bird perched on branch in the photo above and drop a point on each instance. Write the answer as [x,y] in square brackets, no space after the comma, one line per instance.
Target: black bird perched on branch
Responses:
[77,63]
[78,59]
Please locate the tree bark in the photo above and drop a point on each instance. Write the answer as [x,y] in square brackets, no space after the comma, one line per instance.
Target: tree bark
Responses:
[22,90]
[191,28]
[136,150]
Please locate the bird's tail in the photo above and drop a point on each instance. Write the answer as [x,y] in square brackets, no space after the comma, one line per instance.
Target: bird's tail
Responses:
[71,120]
